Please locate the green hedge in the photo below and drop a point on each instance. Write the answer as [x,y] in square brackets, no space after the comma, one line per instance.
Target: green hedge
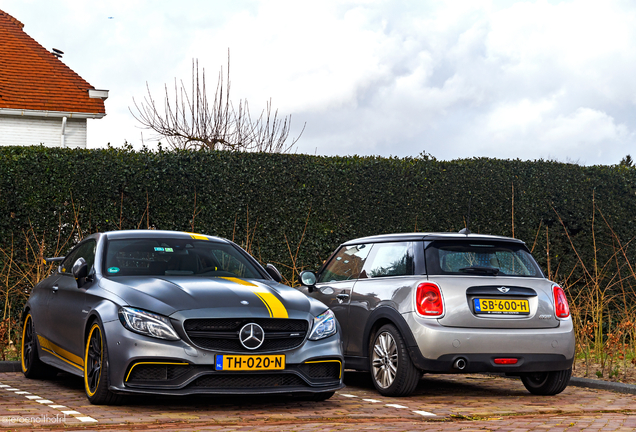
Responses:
[340,197]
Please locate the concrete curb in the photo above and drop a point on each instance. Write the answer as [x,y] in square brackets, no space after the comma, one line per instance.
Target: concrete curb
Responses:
[617,387]
[10,366]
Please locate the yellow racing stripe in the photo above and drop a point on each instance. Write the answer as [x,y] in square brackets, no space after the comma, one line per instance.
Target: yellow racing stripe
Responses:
[61,353]
[239,281]
[196,236]
[274,306]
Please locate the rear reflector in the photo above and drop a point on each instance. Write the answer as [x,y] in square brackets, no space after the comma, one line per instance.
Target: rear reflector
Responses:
[506,361]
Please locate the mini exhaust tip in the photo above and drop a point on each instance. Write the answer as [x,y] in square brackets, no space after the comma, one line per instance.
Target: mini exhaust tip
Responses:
[460,364]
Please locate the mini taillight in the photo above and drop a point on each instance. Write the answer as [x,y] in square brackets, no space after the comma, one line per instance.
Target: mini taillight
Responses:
[429,299]
[561,307]
[506,361]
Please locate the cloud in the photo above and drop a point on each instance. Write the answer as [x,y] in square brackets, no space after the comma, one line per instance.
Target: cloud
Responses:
[527,79]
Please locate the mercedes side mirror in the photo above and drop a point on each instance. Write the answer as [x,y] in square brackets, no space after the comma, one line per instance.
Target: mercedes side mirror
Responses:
[80,271]
[273,272]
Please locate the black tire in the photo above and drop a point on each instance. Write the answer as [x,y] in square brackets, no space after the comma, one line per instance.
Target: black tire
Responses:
[32,366]
[96,380]
[546,383]
[392,371]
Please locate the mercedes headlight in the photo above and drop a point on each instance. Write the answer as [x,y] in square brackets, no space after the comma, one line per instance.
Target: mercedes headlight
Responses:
[324,326]
[146,323]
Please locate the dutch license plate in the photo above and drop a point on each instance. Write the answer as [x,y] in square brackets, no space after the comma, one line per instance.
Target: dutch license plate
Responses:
[249,362]
[499,306]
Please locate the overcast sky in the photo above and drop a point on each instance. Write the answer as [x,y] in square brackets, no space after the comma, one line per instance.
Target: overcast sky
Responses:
[457,79]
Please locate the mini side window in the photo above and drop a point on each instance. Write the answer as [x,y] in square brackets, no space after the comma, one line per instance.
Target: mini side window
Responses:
[389,259]
[346,265]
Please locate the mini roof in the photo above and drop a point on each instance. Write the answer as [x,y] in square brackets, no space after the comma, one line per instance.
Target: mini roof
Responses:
[428,236]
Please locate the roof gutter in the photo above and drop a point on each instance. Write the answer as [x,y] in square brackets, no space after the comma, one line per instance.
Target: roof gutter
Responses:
[53,114]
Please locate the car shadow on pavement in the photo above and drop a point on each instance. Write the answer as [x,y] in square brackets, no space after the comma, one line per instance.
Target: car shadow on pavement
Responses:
[429,385]
[66,381]
[448,384]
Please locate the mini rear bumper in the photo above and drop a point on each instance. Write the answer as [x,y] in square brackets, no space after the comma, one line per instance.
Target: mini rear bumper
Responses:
[474,363]
[436,348]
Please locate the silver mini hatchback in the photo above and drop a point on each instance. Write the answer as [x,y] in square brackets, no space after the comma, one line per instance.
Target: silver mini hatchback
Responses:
[446,303]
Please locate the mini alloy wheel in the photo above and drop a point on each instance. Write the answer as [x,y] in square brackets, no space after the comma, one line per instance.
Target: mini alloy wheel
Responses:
[385,360]
[392,370]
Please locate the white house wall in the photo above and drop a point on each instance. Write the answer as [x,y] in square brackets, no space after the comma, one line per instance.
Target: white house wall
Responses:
[26,131]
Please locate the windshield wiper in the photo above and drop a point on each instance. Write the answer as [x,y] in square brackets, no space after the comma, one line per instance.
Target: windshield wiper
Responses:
[481,270]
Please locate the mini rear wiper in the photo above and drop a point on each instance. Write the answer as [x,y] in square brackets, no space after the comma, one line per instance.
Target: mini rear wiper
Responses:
[480,269]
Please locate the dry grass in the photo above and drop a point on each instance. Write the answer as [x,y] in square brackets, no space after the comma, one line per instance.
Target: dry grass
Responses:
[22,269]
[602,295]
[603,305]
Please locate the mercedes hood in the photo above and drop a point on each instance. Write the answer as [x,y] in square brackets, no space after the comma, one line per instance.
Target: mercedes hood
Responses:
[212,297]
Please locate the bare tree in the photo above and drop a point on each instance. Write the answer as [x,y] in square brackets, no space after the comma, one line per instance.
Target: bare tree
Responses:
[189,121]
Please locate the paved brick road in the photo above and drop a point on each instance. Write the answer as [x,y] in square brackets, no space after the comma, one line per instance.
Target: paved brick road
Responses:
[441,402]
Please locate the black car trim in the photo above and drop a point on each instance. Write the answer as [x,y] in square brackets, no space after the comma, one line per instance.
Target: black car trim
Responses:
[493,290]
[357,363]
[227,391]
[209,339]
[186,380]
[386,312]
[327,361]
[485,363]
[154,363]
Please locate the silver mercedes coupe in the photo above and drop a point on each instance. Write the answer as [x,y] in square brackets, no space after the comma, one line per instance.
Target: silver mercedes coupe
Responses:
[173,313]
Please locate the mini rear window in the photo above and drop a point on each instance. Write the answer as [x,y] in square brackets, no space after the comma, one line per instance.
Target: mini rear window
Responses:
[482,258]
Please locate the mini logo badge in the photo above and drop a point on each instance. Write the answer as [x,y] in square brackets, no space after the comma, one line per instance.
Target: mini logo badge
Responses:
[503,289]
[252,336]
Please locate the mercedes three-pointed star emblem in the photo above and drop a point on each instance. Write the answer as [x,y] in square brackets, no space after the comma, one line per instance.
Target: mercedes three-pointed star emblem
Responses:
[252,336]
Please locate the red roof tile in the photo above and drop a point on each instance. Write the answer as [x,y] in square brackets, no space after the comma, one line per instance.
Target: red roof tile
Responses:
[32,78]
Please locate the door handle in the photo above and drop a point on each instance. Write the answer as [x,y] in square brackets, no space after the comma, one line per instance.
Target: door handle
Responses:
[342,297]
[55,288]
